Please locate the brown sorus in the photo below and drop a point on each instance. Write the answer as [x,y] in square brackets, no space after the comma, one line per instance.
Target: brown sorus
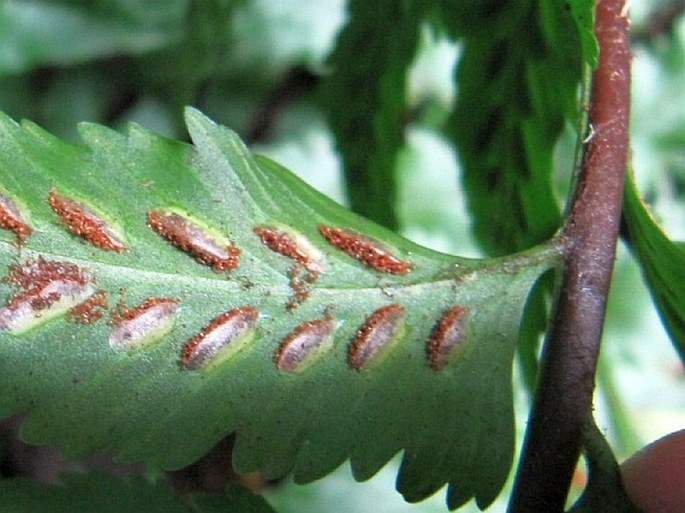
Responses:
[134,326]
[300,286]
[123,314]
[89,311]
[82,221]
[34,275]
[448,335]
[11,219]
[280,241]
[367,251]
[296,247]
[374,336]
[218,336]
[299,348]
[192,239]
[41,285]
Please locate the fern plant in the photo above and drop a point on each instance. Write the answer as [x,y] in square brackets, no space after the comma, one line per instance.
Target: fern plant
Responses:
[160,295]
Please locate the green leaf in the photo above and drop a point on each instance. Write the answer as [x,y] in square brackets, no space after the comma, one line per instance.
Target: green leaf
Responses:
[365,99]
[604,490]
[39,33]
[583,12]
[517,85]
[662,262]
[381,375]
[95,492]
[177,71]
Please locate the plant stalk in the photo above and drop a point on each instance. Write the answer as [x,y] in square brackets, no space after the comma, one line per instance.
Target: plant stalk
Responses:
[562,406]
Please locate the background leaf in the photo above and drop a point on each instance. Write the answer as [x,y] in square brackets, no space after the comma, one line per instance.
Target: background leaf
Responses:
[85,395]
[109,62]
[518,81]
[365,100]
[62,33]
[583,12]
[662,262]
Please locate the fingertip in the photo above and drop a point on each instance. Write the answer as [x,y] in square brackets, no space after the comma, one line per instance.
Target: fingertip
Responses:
[654,477]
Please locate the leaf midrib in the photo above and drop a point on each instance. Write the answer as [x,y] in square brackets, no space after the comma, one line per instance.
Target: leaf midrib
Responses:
[546,255]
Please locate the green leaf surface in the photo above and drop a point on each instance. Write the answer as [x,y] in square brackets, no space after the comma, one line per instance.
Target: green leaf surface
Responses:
[35,33]
[381,379]
[365,100]
[583,12]
[662,262]
[106,494]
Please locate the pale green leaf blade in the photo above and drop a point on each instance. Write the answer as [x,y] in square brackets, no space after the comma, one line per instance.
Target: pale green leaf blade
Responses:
[85,391]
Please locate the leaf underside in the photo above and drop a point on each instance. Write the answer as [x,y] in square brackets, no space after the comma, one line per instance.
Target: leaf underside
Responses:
[662,262]
[106,494]
[86,390]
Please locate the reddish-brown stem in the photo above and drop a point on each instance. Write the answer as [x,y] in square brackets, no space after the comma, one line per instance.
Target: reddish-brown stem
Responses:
[563,400]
